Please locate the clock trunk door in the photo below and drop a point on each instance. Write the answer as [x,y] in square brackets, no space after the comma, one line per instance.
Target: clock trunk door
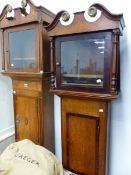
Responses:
[27,118]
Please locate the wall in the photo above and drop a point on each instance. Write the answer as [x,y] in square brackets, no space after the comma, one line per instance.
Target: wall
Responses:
[120,140]
[6,105]
[6,108]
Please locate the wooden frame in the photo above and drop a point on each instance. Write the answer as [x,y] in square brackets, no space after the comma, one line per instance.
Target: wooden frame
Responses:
[107,62]
[37,54]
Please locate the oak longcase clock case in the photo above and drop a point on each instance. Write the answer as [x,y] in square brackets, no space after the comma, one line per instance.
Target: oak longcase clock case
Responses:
[26,60]
[85,73]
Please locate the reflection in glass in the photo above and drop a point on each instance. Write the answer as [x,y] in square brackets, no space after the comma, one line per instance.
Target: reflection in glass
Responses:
[82,62]
[22,49]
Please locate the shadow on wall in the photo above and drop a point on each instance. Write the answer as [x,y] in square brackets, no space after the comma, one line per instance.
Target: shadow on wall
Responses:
[4,143]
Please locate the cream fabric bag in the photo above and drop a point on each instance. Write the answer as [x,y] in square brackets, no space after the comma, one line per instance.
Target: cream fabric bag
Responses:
[26,158]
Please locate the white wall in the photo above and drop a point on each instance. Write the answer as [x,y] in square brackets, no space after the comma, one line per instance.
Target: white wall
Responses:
[6,105]
[120,141]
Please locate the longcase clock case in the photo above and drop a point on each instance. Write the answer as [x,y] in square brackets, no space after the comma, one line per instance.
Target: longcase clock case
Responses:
[85,73]
[26,60]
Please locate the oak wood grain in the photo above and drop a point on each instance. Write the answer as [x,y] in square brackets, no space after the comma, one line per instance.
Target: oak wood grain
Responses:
[84,135]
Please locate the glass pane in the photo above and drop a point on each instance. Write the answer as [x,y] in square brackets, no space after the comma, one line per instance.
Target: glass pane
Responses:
[82,62]
[22,49]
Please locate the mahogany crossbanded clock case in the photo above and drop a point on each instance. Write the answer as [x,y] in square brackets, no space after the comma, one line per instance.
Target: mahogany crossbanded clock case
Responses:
[85,73]
[26,60]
